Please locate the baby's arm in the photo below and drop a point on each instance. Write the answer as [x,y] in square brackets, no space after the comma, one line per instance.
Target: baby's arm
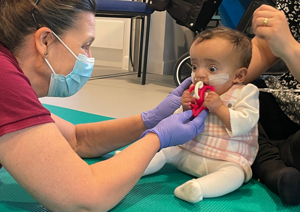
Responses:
[243,117]
[215,105]
[245,114]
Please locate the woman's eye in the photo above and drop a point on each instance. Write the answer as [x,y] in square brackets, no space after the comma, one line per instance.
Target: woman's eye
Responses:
[85,47]
[212,69]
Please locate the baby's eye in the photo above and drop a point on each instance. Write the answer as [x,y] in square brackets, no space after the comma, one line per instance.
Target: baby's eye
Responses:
[194,67]
[212,69]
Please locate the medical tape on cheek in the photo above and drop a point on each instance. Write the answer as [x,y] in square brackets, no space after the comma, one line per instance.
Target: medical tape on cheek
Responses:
[193,77]
[218,79]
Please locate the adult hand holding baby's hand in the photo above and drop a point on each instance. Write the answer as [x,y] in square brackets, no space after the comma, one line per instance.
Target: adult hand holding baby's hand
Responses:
[177,129]
[167,107]
[212,101]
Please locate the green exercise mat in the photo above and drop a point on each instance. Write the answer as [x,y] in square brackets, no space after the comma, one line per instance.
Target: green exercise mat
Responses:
[153,192]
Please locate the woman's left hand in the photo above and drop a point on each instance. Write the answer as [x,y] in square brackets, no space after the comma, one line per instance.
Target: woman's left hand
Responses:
[271,25]
[178,129]
[167,107]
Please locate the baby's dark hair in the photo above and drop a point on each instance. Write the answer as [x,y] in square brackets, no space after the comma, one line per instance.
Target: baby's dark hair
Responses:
[241,43]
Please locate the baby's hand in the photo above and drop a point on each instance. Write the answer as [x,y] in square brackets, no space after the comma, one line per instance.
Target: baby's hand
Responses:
[186,100]
[212,101]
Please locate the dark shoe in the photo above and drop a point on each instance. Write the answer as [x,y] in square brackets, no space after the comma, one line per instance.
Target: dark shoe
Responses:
[289,186]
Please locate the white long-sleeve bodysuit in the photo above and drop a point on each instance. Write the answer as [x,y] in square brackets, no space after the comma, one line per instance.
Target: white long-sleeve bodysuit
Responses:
[220,157]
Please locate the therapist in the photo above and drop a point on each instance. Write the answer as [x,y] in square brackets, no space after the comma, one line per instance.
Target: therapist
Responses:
[39,44]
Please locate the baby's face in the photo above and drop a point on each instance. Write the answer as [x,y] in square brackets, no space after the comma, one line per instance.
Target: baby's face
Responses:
[213,63]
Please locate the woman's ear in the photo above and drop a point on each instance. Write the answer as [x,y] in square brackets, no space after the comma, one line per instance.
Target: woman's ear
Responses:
[43,37]
[240,75]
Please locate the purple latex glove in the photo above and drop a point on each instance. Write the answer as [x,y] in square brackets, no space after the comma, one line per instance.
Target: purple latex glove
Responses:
[167,107]
[177,129]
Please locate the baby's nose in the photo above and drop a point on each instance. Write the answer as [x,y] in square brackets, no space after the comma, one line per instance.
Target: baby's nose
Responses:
[199,78]
[200,74]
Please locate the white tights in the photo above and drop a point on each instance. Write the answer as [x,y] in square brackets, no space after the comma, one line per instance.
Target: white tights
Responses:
[216,177]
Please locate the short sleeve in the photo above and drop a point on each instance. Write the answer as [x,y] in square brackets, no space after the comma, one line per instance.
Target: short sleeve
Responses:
[19,105]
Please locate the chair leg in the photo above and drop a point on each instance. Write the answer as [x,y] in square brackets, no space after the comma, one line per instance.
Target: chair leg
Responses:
[130,48]
[146,50]
[141,47]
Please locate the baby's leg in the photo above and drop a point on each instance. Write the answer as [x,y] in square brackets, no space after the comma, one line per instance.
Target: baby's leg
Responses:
[168,155]
[222,178]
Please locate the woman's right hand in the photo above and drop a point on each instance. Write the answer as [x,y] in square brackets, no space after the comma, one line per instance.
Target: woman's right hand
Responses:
[177,129]
[276,32]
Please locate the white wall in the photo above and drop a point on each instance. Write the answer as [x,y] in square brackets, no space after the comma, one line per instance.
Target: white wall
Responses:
[167,42]
[111,46]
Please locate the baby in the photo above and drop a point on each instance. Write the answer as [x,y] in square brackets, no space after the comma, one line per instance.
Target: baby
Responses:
[221,156]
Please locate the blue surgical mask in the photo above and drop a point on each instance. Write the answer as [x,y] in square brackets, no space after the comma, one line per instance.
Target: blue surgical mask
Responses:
[64,86]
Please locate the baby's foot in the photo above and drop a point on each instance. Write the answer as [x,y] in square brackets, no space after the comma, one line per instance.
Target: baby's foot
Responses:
[191,191]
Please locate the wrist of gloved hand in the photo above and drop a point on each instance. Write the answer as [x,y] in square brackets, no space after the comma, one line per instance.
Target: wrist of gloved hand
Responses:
[152,131]
[178,129]
[150,119]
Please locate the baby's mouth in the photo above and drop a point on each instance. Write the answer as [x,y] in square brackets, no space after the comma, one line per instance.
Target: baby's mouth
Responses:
[205,82]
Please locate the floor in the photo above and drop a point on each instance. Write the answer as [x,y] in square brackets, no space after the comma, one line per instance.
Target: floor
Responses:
[119,96]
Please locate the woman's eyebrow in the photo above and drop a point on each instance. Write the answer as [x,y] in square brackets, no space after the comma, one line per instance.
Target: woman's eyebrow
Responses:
[90,40]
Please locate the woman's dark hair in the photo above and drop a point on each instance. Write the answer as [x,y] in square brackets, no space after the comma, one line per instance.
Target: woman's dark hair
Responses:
[20,18]
[241,43]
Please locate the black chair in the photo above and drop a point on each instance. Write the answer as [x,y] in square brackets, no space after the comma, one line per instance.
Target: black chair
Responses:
[132,10]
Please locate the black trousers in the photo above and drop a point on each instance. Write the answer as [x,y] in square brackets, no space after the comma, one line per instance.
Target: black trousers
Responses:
[278,158]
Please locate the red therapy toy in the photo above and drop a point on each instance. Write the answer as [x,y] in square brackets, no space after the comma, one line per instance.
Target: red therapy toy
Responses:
[199,96]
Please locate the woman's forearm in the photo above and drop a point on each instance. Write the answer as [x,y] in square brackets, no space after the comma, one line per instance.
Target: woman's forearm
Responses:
[43,163]
[130,165]
[291,57]
[262,59]
[96,139]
